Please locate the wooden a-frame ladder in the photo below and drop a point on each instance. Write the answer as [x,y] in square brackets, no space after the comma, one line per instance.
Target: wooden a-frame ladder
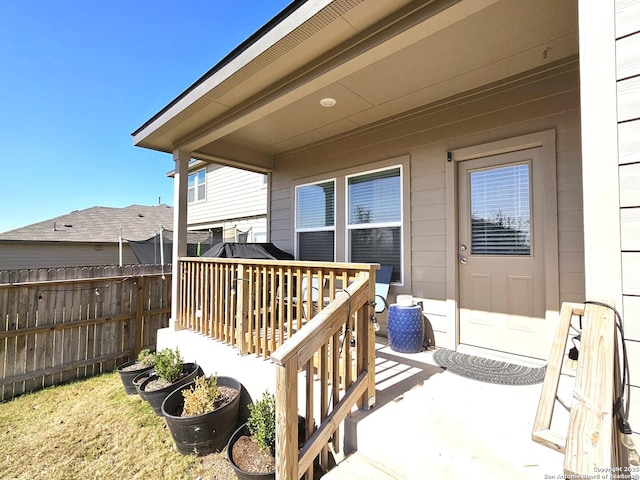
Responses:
[591,444]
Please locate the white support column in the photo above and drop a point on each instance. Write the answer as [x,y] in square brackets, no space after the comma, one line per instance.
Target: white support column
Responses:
[600,180]
[181,159]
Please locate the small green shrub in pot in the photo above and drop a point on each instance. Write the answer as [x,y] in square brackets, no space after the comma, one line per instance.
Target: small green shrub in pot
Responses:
[262,421]
[169,364]
[146,358]
[201,397]
[202,414]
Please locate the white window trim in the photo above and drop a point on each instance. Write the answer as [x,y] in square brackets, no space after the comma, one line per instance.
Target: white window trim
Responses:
[297,230]
[400,223]
[195,187]
[341,232]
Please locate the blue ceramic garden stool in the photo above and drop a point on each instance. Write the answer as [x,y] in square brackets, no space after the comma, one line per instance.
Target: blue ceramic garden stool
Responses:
[405,328]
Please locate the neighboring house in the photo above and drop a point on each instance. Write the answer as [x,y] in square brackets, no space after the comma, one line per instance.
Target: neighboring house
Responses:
[83,237]
[230,203]
[386,126]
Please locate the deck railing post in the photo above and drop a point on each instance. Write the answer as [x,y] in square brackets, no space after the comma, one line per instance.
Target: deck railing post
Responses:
[371,342]
[239,283]
[287,421]
[365,344]
[176,320]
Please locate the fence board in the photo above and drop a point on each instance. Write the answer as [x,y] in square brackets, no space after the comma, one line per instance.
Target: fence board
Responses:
[31,339]
[65,341]
[84,314]
[54,328]
[40,340]
[107,301]
[4,301]
[12,347]
[50,318]
[152,298]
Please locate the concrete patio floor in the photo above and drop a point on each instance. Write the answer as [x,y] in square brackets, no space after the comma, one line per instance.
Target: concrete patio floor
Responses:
[427,422]
[431,423]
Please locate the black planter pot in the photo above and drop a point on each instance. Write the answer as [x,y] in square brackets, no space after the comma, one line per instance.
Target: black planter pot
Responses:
[155,397]
[244,430]
[206,433]
[243,474]
[127,376]
[137,381]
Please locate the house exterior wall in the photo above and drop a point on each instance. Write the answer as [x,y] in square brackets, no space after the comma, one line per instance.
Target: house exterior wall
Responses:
[610,98]
[18,255]
[247,210]
[627,54]
[533,102]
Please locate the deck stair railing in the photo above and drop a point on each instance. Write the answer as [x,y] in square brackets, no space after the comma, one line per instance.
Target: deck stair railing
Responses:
[335,352]
[313,319]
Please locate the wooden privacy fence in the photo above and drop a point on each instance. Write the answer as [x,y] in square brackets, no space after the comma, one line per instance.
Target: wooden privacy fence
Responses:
[58,325]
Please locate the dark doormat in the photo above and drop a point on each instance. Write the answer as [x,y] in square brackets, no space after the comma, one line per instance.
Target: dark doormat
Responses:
[488,370]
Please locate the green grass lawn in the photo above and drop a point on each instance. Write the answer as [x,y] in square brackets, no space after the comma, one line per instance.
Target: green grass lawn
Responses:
[91,429]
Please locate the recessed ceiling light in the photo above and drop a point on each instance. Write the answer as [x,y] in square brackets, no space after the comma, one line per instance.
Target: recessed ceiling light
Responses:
[328,102]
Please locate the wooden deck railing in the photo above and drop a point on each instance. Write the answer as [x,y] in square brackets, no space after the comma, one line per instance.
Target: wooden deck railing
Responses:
[318,350]
[312,319]
[255,305]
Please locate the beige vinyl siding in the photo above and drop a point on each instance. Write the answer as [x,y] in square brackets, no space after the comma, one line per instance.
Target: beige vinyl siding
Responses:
[428,211]
[256,226]
[629,142]
[534,102]
[281,212]
[630,229]
[570,214]
[18,255]
[247,190]
[628,90]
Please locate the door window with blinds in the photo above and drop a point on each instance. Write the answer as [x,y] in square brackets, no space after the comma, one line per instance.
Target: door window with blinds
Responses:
[315,221]
[501,210]
[374,218]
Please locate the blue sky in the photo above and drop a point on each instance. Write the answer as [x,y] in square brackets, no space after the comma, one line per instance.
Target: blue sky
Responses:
[77,77]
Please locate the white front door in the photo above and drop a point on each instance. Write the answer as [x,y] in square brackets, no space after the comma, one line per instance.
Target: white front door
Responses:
[501,253]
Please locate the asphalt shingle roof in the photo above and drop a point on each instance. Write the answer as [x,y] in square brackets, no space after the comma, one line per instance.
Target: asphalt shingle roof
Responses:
[97,224]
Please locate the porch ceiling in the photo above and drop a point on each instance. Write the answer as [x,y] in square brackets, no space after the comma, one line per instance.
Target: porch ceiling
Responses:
[377,59]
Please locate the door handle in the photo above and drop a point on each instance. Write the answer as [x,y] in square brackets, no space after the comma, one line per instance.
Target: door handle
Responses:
[463,260]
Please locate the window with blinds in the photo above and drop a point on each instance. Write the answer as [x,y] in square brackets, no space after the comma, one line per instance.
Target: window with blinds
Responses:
[315,221]
[501,210]
[374,202]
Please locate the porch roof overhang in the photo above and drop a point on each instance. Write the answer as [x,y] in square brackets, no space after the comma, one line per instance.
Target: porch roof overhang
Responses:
[378,60]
